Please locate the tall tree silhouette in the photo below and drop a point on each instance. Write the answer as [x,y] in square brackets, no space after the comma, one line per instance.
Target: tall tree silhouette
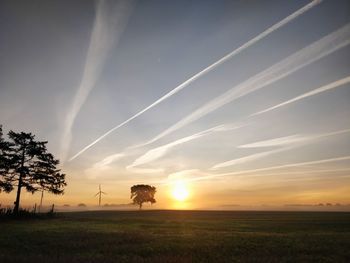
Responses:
[142,193]
[29,165]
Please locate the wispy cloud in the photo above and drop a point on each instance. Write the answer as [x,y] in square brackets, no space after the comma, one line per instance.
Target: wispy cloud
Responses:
[330,86]
[319,49]
[336,159]
[321,135]
[103,165]
[144,170]
[181,176]
[158,152]
[207,69]
[293,139]
[291,142]
[275,142]
[307,172]
[108,160]
[245,159]
[110,21]
[193,175]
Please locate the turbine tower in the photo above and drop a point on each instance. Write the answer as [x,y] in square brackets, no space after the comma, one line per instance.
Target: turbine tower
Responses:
[99,193]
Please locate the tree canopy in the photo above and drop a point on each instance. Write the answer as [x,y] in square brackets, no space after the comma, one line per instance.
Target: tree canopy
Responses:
[5,181]
[25,162]
[142,193]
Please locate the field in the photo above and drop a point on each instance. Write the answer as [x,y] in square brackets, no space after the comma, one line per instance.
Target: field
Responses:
[178,236]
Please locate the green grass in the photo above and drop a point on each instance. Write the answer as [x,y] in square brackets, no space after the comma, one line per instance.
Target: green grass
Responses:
[178,236]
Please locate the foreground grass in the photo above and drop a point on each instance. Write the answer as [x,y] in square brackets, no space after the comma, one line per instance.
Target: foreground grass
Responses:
[178,236]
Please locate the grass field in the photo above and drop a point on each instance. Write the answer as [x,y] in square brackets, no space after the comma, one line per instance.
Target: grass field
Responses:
[178,236]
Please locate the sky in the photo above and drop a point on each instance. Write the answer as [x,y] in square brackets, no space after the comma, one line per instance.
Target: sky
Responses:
[243,103]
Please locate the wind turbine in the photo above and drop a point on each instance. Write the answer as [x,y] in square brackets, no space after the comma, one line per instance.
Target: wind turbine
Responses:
[99,193]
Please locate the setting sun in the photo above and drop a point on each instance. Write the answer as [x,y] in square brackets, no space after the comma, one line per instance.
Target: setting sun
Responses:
[180,191]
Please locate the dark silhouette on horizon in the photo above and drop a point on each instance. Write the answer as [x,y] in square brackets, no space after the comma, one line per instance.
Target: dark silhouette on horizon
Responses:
[142,193]
[25,162]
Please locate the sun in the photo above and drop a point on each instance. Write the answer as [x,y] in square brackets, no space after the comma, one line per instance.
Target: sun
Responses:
[180,191]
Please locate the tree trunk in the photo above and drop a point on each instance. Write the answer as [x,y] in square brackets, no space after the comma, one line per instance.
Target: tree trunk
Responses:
[140,206]
[19,187]
[18,196]
[41,200]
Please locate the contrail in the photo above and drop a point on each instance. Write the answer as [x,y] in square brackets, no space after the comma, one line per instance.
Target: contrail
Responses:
[291,139]
[342,158]
[274,142]
[308,172]
[207,69]
[110,21]
[282,141]
[249,158]
[288,139]
[296,140]
[210,176]
[160,151]
[330,86]
[287,66]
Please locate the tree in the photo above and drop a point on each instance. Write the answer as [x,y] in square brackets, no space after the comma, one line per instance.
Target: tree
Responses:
[29,165]
[142,193]
[5,181]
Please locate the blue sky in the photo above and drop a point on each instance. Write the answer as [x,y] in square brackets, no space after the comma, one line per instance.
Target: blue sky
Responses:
[71,71]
